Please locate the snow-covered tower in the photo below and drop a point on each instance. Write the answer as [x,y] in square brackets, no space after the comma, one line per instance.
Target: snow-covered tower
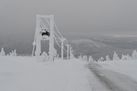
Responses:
[44,31]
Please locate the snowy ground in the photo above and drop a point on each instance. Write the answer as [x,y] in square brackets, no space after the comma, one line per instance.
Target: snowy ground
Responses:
[127,67]
[116,75]
[31,74]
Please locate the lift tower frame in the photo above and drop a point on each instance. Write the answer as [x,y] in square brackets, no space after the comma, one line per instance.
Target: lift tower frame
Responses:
[39,37]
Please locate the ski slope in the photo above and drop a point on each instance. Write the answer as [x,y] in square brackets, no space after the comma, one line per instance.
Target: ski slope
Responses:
[31,74]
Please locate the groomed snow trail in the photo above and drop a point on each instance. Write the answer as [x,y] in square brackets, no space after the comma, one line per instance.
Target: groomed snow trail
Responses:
[109,80]
[29,74]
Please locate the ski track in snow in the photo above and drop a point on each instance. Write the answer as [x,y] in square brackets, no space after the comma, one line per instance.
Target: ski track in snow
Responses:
[110,80]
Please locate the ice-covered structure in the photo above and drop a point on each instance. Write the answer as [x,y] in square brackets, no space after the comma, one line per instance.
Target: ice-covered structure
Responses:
[46,29]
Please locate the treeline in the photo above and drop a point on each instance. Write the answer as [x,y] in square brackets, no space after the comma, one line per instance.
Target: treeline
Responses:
[12,53]
[115,57]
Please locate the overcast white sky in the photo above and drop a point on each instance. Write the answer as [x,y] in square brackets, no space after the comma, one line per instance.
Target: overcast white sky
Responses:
[92,17]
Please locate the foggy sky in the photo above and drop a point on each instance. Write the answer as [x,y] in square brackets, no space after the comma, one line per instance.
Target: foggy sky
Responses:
[73,17]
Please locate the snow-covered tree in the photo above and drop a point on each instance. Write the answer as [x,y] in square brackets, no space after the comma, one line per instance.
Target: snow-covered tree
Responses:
[85,58]
[2,53]
[13,53]
[101,59]
[115,57]
[108,58]
[71,53]
[128,57]
[125,57]
[45,56]
[91,59]
[134,54]
[80,57]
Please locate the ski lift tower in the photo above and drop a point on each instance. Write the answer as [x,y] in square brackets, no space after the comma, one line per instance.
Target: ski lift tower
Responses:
[44,31]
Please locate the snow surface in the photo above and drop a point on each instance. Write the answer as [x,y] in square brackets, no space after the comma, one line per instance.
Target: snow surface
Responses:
[127,67]
[31,74]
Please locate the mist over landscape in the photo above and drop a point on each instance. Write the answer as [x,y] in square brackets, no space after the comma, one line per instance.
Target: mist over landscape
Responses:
[92,27]
[97,46]
[68,45]
[105,45]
